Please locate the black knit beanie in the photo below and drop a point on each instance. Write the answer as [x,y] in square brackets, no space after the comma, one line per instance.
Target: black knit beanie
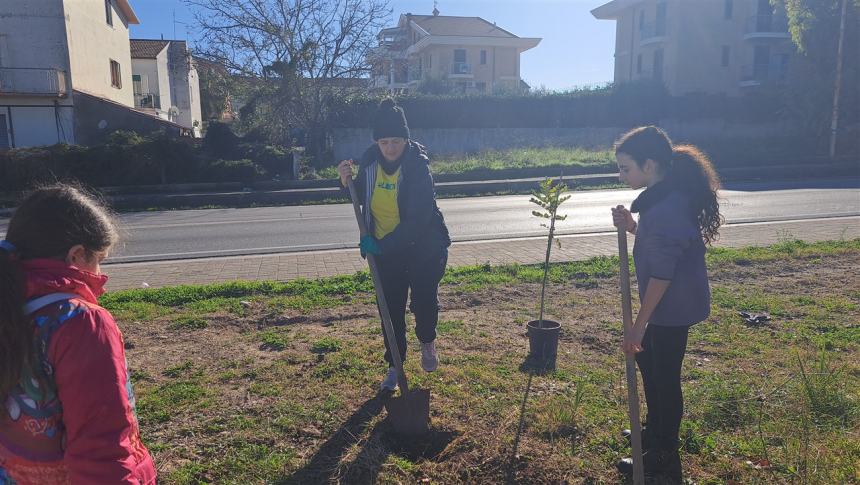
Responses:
[390,121]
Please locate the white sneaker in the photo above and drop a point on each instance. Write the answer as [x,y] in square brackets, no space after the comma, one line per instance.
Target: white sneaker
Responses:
[429,357]
[390,381]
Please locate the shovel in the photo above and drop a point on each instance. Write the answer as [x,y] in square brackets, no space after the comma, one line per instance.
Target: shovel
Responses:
[410,412]
[632,386]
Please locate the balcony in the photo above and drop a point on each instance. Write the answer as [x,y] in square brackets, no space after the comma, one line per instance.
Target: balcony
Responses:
[461,69]
[384,81]
[385,53]
[147,100]
[33,82]
[762,74]
[652,33]
[766,27]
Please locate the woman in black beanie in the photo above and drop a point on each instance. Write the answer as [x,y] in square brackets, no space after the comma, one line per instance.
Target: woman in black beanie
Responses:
[407,231]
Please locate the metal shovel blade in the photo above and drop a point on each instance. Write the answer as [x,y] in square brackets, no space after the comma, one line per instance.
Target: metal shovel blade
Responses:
[410,413]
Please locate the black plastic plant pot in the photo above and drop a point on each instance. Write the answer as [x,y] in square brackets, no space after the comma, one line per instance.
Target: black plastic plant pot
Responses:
[543,342]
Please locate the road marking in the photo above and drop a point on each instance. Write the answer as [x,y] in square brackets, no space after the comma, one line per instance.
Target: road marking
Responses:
[342,247]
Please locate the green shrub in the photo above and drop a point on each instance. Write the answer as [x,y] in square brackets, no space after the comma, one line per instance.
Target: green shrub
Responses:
[274,159]
[129,158]
[22,167]
[220,139]
[233,171]
[624,104]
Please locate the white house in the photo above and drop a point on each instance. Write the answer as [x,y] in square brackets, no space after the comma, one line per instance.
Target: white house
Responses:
[165,81]
[65,72]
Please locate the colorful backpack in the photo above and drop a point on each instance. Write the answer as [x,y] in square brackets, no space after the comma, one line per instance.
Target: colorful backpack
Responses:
[35,396]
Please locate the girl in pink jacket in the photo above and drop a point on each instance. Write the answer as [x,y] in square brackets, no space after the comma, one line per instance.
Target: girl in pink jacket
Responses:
[66,402]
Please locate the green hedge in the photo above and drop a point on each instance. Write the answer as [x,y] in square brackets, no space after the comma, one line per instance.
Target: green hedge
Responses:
[128,158]
[627,104]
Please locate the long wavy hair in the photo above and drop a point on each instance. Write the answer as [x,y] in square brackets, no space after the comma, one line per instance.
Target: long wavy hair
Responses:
[685,167]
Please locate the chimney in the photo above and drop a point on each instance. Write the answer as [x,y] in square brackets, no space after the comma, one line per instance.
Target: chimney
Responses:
[435,9]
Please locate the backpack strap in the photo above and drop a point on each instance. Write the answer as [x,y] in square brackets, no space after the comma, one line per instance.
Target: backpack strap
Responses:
[37,397]
[37,303]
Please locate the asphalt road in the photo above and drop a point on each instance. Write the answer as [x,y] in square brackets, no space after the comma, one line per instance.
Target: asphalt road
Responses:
[153,236]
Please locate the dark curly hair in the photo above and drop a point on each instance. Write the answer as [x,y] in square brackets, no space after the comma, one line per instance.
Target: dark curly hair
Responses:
[686,167]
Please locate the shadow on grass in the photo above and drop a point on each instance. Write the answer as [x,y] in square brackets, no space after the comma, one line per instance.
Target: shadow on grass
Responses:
[384,442]
[322,466]
[325,466]
[533,367]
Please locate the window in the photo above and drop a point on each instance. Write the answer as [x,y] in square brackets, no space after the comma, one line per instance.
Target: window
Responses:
[727,9]
[460,66]
[2,49]
[639,64]
[483,57]
[4,132]
[115,75]
[660,23]
[658,65]
[761,62]
[725,59]
[481,87]
[429,61]
[136,83]
[109,13]
[641,19]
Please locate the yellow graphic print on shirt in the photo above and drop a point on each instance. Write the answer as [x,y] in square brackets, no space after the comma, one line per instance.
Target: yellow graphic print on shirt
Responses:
[383,203]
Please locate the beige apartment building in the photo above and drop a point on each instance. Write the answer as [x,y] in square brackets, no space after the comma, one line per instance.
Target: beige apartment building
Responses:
[469,54]
[700,46]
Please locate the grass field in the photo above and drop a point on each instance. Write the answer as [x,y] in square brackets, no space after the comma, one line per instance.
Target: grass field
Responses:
[573,160]
[251,382]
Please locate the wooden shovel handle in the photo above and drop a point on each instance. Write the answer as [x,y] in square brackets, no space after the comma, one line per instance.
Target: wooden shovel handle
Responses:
[390,336]
[630,362]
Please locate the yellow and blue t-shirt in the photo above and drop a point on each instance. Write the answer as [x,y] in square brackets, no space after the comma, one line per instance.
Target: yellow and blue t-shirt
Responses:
[383,202]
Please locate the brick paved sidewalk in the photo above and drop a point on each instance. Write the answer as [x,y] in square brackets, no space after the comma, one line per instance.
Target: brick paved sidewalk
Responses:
[315,264]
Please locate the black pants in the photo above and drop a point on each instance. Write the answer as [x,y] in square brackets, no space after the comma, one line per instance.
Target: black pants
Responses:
[660,366]
[421,274]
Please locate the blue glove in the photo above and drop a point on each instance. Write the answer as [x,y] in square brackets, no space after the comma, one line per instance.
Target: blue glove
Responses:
[368,245]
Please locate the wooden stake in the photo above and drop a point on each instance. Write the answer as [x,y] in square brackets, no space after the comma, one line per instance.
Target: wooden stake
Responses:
[630,361]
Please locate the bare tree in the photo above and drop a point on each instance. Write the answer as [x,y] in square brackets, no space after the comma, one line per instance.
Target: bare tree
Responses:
[304,48]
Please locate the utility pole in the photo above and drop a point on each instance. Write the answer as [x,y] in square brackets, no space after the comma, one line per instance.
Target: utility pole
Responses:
[834,121]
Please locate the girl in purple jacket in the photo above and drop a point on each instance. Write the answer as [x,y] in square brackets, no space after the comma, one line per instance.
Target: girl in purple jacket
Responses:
[679,214]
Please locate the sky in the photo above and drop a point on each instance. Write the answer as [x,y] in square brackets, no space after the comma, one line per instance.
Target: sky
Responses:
[576,50]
